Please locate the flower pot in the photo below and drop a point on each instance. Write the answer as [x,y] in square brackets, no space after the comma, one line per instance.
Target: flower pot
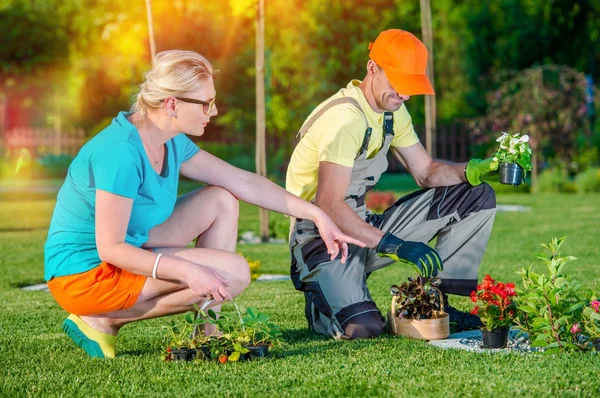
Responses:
[511,174]
[436,328]
[597,344]
[497,338]
[260,351]
[202,353]
[183,354]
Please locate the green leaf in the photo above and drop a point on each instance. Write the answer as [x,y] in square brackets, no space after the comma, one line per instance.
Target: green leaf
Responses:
[527,309]
[234,357]
[252,312]
[552,345]
[574,307]
[539,343]
[237,347]
[262,317]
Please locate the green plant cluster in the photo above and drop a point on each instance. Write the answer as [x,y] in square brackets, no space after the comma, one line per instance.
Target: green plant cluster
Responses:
[555,311]
[234,334]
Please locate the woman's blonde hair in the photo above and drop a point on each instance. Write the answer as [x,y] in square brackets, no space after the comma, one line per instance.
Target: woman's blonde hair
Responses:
[174,73]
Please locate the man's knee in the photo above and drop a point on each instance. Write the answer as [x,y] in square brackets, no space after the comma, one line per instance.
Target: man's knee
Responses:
[371,326]
[486,195]
[361,321]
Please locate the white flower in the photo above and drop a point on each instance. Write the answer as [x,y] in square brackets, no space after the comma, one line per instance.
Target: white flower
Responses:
[512,150]
[525,138]
[495,159]
[522,149]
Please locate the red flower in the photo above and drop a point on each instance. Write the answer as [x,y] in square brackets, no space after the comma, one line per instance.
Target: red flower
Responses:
[474,296]
[510,289]
[575,329]
[511,313]
[223,359]
[475,310]
[595,305]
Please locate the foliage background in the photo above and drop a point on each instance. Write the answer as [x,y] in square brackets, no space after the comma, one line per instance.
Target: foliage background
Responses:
[81,60]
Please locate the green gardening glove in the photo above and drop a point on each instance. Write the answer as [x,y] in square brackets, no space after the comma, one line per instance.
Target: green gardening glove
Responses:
[426,260]
[478,170]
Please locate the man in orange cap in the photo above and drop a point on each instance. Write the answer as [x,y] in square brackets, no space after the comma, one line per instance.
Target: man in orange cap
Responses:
[341,155]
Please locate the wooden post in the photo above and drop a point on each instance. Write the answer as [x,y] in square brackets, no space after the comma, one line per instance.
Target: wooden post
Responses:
[150,28]
[430,114]
[261,163]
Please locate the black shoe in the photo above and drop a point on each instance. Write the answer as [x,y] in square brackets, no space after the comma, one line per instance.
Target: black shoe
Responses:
[459,320]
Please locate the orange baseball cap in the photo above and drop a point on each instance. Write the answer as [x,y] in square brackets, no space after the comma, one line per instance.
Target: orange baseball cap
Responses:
[403,57]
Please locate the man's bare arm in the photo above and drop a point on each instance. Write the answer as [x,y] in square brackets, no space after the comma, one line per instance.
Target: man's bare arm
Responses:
[429,172]
[334,181]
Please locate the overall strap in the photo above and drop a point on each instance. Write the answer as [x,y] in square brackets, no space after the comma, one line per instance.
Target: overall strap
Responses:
[330,104]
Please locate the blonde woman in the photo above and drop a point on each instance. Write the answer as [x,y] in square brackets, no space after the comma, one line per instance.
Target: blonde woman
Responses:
[116,249]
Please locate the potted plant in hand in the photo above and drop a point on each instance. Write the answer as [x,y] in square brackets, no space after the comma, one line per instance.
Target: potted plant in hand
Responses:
[513,157]
[497,311]
[417,310]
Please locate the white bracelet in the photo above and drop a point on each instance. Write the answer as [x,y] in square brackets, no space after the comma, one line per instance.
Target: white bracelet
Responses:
[158,256]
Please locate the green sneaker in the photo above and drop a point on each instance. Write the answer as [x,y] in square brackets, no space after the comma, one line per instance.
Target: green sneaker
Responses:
[94,342]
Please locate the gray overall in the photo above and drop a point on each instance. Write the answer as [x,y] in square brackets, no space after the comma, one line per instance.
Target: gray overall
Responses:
[338,302]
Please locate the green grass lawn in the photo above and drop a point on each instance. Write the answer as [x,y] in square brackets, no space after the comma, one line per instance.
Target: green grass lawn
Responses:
[36,357]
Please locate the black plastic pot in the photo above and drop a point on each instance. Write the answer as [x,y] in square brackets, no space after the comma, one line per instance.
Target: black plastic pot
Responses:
[511,174]
[202,353]
[597,344]
[497,338]
[183,354]
[256,352]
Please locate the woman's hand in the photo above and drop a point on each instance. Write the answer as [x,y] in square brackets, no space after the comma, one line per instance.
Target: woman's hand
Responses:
[206,282]
[334,239]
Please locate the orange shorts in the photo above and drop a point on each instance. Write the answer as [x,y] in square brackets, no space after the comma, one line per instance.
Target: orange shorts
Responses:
[105,288]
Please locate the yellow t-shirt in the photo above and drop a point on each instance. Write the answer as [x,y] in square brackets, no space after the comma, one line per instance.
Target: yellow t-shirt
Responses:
[337,136]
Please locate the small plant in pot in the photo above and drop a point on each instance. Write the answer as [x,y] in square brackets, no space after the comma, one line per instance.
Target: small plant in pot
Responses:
[497,311]
[263,334]
[179,345]
[514,158]
[416,310]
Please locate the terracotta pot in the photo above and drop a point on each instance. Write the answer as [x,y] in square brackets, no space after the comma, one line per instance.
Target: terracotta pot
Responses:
[497,338]
[436,328]
[511,174]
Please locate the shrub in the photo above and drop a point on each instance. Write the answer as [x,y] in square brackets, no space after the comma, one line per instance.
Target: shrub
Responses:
[588,181]
[279,226]
[554,180]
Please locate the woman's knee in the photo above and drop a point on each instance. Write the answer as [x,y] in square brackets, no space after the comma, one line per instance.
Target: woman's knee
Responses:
[224,200]
[238,276]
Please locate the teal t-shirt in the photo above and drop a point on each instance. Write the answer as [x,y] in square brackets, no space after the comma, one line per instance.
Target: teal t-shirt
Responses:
[114,161]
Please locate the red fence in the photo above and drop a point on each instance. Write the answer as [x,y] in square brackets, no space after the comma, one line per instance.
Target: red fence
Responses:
[39,141]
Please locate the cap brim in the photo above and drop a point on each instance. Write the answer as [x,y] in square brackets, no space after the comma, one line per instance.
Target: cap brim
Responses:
[410,84]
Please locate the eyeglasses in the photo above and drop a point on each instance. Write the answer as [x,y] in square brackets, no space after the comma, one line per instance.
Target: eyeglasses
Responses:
[206,106]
